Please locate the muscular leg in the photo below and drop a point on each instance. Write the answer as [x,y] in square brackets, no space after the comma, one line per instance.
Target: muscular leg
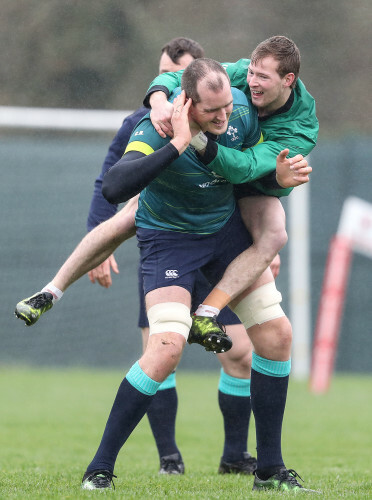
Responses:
[136,392]
[269,382]
[264,218]
[162,414]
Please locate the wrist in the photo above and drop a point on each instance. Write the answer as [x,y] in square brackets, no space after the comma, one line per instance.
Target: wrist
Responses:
[199,142]
[180,144]
[279,182]
[157,97]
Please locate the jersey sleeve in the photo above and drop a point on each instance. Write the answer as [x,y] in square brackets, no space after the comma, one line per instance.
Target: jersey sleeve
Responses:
[146,156]
[145,139]
[255,163]
[166,82]
[253,134]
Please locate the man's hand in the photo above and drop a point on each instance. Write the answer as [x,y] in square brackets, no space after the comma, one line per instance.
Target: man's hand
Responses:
[161,114]
[180,122]
[102,273]
[291,172]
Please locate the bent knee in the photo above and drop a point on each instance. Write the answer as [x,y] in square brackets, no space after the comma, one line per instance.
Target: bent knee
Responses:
[270,242]
[282,333]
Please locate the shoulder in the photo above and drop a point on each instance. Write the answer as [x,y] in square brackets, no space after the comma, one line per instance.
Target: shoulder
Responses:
[242,105]
[239,97]
[302,96]
[238,66]
[145,132]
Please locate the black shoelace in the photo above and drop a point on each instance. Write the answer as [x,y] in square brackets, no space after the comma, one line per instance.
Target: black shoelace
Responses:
[290,475]
[39,300]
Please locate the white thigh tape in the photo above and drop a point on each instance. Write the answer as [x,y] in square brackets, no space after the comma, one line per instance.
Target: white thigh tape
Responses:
[260,306]
[169,317]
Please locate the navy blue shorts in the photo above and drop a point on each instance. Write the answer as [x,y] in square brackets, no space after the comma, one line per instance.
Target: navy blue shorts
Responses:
[174,259]
[201,290]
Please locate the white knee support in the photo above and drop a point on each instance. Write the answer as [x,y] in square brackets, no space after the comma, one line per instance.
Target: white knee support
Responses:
[169,317]
[260,306]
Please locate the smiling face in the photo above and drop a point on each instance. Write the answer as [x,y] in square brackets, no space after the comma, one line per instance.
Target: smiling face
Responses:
[269,91]
[214,108]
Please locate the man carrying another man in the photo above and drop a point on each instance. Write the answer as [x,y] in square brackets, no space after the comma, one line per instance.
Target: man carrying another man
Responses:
[204,231]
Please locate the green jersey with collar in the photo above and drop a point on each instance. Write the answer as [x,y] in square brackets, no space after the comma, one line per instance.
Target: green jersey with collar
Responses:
[294,126]
[189,196]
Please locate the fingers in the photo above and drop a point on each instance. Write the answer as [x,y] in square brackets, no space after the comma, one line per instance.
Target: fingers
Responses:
[114,265]
[101,274]
[159,130]
[282,155]
[105,281]
[180,99]
[301,178]
[301,168]
[181,104]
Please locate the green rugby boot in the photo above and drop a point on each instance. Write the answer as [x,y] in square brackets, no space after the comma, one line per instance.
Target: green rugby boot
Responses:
[97,480]
[209,333]
[284,480]
[32,308]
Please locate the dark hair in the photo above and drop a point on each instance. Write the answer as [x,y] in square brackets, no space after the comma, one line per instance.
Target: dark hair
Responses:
[178,47]
[283,50]
[198,70]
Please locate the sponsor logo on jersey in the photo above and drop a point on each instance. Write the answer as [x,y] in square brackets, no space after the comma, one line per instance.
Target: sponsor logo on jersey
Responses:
[139,132]
[208,184]
[171,273]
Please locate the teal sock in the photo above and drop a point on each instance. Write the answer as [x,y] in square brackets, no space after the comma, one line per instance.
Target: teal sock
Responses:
[142,382]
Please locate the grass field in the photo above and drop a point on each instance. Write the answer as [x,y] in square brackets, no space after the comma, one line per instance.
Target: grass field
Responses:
[52,420]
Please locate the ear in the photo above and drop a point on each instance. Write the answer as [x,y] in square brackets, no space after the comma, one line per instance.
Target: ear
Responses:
[289,79]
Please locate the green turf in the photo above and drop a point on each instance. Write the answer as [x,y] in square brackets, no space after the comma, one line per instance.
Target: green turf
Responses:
[52,420]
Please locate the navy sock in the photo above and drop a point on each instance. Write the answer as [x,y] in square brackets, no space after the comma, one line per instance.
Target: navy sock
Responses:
[236,411]
[129,407]
[268,397]
[162,417]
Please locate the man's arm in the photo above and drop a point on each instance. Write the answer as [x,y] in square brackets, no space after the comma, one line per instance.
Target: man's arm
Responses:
[134,172]
[166,83]
[141,164]
[253,164]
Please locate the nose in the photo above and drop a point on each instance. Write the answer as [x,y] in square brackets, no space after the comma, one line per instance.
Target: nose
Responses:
[251,80]
[221,115]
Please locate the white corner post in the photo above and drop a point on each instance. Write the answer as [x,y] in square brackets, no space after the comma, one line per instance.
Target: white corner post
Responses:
[299,279]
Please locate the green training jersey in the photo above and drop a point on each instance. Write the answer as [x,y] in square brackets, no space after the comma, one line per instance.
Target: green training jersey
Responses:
[189,196]
[294,127]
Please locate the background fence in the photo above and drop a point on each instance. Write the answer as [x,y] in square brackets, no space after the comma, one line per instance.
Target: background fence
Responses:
[47,183]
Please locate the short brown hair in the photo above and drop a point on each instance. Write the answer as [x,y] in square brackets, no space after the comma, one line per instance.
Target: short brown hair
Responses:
[178,47]
[198,70]
[283,50]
